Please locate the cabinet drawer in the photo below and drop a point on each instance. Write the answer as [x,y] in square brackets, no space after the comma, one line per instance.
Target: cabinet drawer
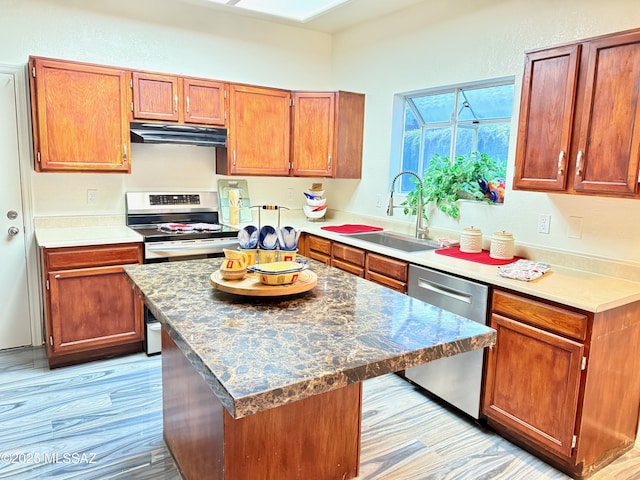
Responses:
[321,257]
[548,317]
[386,281]
[389,267]
[348,254]
[319,244]
[348,267]
[92,256]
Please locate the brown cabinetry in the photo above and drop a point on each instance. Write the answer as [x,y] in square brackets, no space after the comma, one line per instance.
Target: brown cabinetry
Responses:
[80,116]
[327,134]
[562,382]
[170,98]
[91,309]
[579,128]
[387,271]
[259,132]
[349,259]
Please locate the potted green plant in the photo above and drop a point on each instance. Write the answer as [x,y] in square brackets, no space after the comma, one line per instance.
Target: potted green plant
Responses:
[470,177]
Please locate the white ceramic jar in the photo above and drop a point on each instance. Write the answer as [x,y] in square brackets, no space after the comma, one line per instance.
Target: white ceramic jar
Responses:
[502,246]
[471,240]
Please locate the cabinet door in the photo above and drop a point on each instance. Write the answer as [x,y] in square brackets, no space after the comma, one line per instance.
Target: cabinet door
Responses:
[204,102]
[312,140]
[80,116]
[546,118]
[155,97]
[532,384]
[258,140]
[92,308]
[609,144]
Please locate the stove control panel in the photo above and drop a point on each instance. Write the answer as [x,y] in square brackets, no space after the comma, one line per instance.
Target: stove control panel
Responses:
[174,199]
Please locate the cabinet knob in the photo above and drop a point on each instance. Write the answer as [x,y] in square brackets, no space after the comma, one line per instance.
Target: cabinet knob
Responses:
[561,163]
[579,164]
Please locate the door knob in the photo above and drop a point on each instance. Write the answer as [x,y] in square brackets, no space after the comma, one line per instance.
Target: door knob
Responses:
[13,231]
[12,214]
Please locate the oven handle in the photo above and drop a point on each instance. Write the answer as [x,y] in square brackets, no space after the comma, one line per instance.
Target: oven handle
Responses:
[181,247]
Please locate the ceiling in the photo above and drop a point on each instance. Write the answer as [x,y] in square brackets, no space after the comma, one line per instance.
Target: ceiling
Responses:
[340,16]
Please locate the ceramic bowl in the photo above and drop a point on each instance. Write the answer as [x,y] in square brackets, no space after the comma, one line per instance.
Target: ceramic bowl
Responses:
[314,193]
[248,237]
[311,212]
[278,273]
[268,238]
[316,202]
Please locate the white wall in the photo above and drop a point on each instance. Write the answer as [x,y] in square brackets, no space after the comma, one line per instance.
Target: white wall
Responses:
[164,36]
[432,45]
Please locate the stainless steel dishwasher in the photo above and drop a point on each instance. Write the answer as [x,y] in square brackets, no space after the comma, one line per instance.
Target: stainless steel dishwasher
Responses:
[457,379]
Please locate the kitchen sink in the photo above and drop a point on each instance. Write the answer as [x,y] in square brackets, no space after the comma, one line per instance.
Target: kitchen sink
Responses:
[397,241]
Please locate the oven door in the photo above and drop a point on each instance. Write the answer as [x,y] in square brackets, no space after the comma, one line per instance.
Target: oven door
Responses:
[187,249]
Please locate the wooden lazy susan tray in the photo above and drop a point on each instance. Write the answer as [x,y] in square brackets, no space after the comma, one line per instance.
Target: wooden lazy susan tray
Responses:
[250,285]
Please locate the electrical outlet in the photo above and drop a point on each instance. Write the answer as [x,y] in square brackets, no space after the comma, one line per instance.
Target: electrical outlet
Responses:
[378,201]
[289,193]
[544,223]
[92,197]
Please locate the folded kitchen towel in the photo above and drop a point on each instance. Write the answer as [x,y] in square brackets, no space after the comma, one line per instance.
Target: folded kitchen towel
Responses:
[351,228]
[525,270]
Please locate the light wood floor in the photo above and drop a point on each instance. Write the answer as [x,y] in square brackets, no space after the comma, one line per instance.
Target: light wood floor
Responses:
[103,420]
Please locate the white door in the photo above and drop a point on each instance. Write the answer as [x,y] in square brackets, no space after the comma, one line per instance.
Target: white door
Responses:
[15,324]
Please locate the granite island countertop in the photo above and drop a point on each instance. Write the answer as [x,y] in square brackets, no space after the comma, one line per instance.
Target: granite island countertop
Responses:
[258,353]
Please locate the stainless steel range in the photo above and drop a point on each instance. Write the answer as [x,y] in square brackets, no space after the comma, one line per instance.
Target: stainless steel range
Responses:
[179,226]
[175,227]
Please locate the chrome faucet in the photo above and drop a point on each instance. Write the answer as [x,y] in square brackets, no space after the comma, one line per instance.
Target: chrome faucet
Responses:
[420,230]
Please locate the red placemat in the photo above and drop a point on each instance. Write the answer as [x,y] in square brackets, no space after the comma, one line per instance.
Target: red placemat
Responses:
[351,228]
[482,257]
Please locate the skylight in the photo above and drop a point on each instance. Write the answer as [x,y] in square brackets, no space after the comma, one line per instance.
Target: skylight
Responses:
[300,10]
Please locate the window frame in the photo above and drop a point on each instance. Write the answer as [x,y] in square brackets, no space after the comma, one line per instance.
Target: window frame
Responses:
[402,102]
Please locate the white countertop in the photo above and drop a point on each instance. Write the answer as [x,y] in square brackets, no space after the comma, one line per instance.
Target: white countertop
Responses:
[577,288]
[54,237]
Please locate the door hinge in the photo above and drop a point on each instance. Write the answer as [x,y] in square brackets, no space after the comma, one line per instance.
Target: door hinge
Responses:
[131,82]
[291,102]
[574,440]
[584,363]
[51,340]
[38,155]
[33,72]
[290,165]
[225,94]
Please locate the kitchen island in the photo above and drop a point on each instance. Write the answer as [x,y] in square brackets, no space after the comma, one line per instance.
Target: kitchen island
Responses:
[270,388]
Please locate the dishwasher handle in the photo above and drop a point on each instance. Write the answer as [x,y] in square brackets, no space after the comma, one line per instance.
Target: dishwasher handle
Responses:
[446,291]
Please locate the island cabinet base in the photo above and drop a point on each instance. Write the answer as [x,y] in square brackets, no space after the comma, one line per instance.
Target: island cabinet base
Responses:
[317,437]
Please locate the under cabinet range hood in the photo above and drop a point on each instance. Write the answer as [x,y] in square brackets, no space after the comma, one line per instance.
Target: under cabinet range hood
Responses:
[178,134]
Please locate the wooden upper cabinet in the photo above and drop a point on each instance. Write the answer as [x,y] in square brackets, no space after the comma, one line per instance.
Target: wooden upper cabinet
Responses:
[579,129]
[312,138]
[327,134]
[608,149]
[155,97]
[258,139]
[204,101]
[170,98]
[546,118]
[79,116]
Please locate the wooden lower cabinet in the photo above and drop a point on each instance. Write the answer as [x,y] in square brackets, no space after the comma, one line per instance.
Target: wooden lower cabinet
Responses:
[562,382]
[387,271]
[317,248]
[347,258]
[91,309]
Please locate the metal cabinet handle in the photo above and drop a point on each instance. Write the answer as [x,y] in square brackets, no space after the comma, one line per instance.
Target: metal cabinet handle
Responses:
[579,164]
[13,231]
[175,103]
[187,104]
[329,165]
[124,148]
[234,158]
[561,163]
